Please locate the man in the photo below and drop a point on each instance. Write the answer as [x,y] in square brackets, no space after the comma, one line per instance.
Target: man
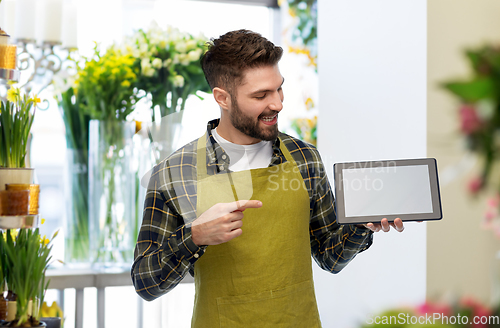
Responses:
[251,259]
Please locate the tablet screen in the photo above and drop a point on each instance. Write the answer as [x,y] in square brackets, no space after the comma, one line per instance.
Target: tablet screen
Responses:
[370,191]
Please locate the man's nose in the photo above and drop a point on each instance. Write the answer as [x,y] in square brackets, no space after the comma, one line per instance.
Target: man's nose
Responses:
[276,102]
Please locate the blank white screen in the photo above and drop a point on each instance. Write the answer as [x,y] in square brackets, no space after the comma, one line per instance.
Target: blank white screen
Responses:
[387,190]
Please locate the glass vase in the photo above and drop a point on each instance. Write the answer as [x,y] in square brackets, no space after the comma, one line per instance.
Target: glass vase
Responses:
[77,208]
[112,190]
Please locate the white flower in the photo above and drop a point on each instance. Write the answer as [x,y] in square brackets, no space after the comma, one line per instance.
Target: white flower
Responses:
[184,59]
[485,109]
[194,55]
[136,53]
[167,62]
[144,48]
[145,64]
[190,44]
[178,81]
[157,63]
[176,59]
[181,46]
[149,71]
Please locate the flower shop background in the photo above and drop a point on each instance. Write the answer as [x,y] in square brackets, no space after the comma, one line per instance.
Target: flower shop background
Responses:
[116,19]
[461,252]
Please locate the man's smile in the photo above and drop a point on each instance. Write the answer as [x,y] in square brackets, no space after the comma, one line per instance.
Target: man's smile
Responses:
[269,120]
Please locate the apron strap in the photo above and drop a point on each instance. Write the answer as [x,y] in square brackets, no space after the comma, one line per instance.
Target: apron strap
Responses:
[201,156]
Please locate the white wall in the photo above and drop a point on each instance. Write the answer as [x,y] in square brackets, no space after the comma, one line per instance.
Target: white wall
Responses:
[372,77]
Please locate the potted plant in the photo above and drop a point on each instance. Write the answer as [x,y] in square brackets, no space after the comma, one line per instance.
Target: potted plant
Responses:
[25,258]
[16,119]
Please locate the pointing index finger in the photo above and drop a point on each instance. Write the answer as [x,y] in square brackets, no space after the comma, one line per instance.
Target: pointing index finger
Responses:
[242,205]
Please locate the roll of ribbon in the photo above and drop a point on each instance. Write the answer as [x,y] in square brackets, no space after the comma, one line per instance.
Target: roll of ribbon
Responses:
[8,56]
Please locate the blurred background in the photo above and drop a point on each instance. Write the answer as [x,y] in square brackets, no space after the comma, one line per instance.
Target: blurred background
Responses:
[364,81]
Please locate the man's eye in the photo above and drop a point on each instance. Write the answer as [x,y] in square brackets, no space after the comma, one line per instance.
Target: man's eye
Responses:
[261,97]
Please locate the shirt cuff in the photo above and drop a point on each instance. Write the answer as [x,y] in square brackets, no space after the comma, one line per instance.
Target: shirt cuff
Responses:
[363,235]
[359,231]
[187,248]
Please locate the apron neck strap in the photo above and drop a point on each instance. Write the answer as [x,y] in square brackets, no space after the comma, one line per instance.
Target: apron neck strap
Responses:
[201,155]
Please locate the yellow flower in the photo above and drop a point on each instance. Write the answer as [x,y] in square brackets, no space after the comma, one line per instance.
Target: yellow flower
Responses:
[44,240]
[51,311]
[36,100]
[309,103]
[12,94]
[125,84]
[43,220]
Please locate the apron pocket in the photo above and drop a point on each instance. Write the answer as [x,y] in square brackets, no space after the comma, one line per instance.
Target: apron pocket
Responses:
[292,306]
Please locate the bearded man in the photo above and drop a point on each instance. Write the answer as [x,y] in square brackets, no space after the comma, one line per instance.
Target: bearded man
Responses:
[245,206]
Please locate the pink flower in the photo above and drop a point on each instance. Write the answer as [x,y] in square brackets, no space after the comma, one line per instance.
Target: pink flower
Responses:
[475,185]
[430,308]
[469,120]
[494,201]
[478,310]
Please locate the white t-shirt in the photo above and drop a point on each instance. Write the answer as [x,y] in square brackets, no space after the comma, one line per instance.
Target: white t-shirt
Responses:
[246,157]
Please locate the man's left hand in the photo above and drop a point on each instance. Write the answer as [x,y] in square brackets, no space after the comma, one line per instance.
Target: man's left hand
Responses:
[385,226]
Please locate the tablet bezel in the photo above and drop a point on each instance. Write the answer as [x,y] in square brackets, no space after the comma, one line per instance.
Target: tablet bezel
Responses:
[431,163]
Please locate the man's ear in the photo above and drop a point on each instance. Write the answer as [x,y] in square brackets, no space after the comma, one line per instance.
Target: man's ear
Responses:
[222,97]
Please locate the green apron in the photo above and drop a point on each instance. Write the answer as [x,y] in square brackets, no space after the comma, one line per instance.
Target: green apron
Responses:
[262,278]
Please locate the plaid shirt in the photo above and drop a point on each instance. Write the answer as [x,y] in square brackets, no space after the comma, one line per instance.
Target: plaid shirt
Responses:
[165,252]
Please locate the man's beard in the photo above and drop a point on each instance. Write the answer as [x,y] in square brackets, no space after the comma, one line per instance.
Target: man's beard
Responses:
[249,126]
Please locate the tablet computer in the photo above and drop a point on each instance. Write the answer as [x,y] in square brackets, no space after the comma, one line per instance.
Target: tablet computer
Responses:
[370,191]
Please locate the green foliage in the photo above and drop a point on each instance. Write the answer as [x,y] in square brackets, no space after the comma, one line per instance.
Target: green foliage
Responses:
[16,119]
[307,26]
[25,257]
[472,91]
[479,96]
[76,121]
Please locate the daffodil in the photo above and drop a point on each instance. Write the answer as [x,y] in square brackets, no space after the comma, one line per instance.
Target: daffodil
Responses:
[13,95]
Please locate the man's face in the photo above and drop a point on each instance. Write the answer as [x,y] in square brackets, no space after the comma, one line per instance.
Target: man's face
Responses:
[258,101]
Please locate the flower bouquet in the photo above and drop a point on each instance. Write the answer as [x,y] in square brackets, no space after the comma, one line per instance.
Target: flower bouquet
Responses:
[168,67]
[104,83]
[167,63]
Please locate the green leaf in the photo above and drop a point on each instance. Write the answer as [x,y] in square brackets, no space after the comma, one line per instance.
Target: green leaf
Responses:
[472,91]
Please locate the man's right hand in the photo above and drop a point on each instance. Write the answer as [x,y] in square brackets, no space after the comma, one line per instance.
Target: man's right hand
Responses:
[221,222]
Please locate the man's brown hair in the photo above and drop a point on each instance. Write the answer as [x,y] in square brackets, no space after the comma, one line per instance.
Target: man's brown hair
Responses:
[228,56]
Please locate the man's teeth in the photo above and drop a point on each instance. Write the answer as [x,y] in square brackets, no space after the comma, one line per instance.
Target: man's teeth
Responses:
[268,118]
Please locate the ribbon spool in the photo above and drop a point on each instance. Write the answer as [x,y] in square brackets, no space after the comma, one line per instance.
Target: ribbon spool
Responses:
[8,52]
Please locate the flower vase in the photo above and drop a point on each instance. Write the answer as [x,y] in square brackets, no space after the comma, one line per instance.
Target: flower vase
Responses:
[165,135]
[15,175]
[77,208]
[111,194]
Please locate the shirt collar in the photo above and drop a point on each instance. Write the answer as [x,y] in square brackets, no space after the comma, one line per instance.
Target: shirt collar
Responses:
[217,158]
